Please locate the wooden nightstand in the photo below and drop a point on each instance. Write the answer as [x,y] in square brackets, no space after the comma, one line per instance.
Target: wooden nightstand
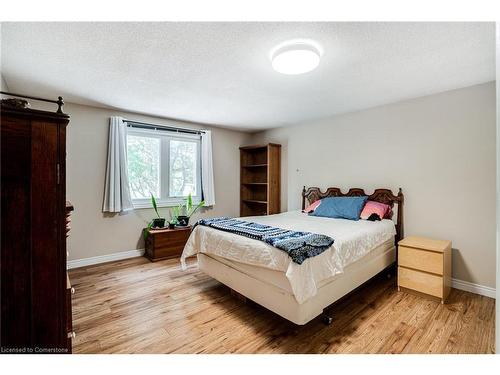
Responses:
[424,265]
[166,243]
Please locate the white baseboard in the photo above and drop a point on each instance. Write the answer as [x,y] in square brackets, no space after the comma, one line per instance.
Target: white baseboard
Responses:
[473,288]
[105,258]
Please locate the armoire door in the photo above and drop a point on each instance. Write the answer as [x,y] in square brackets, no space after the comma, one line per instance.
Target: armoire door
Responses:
[16,232]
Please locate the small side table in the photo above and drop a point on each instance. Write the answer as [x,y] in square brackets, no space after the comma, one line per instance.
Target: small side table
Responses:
[424,265]
[166,243]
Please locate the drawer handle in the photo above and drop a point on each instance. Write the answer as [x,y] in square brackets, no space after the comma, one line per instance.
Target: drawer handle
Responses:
[72,290]
[71,335]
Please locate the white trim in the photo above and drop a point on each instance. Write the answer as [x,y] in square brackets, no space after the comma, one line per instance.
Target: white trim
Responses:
[473,288]
[77,263]
[163,197]
[161,203]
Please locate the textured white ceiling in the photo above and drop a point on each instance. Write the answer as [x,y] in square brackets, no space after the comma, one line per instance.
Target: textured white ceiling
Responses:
[220,73]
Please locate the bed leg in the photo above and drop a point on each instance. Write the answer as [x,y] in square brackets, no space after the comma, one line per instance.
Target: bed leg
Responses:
[391,271]
[326,319]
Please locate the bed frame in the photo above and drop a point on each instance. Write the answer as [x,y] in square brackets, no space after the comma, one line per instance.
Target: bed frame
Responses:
[385,196]
[353,277]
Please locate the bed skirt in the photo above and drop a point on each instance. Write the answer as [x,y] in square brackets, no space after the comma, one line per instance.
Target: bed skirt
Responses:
[281,301]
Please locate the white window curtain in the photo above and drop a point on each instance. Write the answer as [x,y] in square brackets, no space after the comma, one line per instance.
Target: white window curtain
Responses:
[207,169]
[117,191]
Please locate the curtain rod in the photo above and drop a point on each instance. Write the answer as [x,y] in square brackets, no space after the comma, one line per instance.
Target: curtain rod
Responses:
[146,125]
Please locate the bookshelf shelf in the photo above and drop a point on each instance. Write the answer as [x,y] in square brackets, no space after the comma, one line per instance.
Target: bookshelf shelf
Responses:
[255,166]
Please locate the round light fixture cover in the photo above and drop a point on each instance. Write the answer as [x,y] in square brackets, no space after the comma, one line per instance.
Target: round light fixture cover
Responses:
[296,56]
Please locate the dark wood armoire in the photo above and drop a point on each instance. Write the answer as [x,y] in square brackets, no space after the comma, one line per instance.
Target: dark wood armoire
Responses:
[35,291]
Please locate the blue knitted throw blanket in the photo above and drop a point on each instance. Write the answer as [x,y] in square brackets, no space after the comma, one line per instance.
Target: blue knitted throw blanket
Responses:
[298,245]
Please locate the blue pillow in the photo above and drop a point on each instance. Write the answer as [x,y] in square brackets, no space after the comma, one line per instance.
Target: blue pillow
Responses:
[341,207]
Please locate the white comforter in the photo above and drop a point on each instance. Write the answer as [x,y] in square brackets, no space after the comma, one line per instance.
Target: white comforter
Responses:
[353,240]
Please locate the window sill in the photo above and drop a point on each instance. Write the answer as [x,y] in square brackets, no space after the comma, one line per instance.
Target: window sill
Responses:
[160,204]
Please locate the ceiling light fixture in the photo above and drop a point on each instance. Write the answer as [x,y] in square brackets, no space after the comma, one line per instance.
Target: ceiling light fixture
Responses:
[296,56]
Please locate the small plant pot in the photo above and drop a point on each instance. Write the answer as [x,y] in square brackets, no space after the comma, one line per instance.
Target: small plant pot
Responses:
[171,225]
[158,223]
[183,221]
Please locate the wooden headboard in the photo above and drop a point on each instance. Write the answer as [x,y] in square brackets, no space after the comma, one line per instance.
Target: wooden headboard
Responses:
[386,196]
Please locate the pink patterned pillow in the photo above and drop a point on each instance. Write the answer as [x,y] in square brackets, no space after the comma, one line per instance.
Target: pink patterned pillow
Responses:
[372,207]
[312,207]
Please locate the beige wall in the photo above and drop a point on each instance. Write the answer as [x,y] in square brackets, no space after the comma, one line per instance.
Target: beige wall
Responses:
[440,149]
[3,84]
[497,325]
[94,233]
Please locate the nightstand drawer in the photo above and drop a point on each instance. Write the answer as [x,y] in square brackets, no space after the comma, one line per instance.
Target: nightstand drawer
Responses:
[420,281]
[174,251]
[166,243]
[418,259]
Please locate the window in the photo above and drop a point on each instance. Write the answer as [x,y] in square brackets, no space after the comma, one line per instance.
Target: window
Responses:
[163,163]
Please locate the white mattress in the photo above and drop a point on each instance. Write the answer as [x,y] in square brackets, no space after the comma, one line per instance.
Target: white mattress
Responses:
[353,240]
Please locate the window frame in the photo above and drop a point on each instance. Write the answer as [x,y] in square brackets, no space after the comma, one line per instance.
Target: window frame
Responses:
[165,137]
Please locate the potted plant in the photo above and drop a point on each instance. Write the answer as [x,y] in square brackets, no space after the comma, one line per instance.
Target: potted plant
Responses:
[188,209]
[174,216]
[157,222]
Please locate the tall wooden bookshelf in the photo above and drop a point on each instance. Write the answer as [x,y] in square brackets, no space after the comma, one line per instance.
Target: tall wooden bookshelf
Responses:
[260,179]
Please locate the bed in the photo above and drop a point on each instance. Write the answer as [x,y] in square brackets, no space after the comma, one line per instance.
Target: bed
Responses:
[299,293]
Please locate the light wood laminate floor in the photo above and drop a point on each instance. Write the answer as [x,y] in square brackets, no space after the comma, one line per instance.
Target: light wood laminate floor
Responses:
[134,306]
